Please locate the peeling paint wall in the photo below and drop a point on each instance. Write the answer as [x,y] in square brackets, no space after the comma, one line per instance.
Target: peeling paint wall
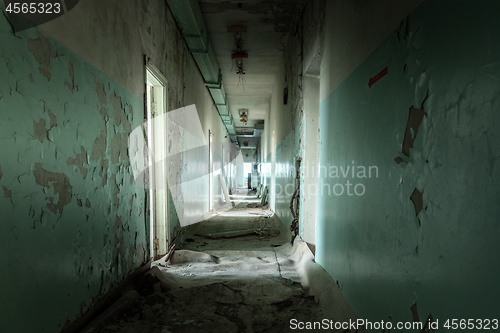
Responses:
[411,104]
[74,221]
[288,120]
[424,235]
[352,30]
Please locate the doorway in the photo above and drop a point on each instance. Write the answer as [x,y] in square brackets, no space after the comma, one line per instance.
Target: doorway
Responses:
[247,172]
[273,160]
[210,170]
[156,104]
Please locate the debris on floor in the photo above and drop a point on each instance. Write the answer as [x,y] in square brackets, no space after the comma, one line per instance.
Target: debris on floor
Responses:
[247,279]
[187,256]
[229,234]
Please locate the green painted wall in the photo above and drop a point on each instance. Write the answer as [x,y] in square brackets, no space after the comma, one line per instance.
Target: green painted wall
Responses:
[384,257]
[72,219]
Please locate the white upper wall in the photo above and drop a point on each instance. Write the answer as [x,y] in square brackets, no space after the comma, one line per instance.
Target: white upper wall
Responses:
[352,30]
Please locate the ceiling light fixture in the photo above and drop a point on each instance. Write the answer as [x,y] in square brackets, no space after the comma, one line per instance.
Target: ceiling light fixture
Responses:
[238,55]
[243,115]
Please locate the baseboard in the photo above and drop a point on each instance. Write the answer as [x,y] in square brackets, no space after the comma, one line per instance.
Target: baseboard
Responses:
[112,296]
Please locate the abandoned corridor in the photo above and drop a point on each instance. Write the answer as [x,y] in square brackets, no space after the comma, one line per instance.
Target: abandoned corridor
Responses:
[358,141]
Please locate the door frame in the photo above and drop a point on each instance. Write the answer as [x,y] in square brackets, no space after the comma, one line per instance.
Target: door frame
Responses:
[157,131]
[210,171]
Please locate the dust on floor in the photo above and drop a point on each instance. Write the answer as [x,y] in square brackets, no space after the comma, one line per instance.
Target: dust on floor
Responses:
[232,273]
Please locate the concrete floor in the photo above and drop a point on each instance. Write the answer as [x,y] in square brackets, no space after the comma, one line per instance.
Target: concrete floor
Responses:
[251,280]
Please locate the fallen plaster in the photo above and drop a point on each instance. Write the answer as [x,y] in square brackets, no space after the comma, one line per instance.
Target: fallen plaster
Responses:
[229,234]
[250,283]
[187,256]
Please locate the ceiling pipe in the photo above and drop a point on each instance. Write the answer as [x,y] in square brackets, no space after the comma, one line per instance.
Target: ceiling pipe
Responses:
[187,14]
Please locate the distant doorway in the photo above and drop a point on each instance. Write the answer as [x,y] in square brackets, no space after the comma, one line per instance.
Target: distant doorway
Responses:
[210,170]
[247,172]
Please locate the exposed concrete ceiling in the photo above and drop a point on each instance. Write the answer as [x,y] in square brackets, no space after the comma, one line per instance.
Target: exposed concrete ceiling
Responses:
[268,23]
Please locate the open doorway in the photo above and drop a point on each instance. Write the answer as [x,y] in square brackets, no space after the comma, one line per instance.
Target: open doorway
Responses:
[210,170]
[156,104]
[310,170]
[273,161]
[247,172]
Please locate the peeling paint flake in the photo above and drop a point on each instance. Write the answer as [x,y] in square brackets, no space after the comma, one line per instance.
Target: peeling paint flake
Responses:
[99,146]
[416,198]
[116,192]
[414,120]
[53,118]
[101,92]
[414,312]
[68,85]
[119,148]
[43,51]
[61,184]
[7,192]
[116,103]
[39,130]
[79,161]
[71,71]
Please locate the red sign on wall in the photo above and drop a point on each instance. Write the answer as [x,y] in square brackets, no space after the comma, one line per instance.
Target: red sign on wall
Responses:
[377,77]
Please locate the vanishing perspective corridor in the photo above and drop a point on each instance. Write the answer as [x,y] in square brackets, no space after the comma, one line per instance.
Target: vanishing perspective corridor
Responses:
[235,272]
[249,166]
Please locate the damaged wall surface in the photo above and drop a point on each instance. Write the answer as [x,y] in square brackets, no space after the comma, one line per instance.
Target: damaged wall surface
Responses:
[329,41]
[409,105]
[283,131]
[75,221]
[423,109]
